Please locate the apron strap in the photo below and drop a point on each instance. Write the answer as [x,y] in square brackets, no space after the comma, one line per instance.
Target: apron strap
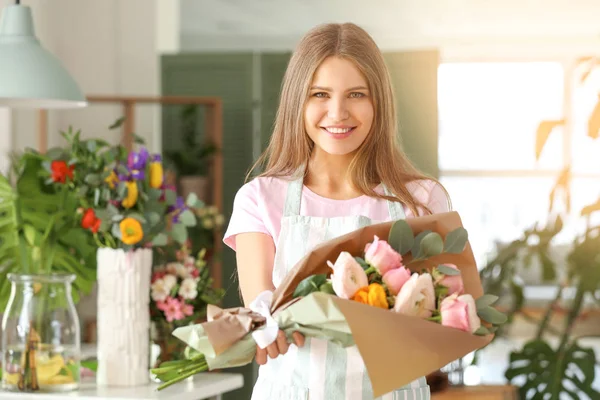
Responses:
[293,198]
[395,208]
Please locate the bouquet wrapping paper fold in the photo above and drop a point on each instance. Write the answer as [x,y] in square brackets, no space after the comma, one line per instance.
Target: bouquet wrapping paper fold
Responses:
[396,348]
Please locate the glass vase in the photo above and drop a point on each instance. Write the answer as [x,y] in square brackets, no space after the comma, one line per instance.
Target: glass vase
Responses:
[41,335]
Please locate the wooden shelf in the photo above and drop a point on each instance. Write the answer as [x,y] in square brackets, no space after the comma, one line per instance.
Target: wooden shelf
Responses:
[480,392]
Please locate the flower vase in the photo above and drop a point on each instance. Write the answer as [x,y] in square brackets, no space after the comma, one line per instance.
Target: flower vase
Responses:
[123,317]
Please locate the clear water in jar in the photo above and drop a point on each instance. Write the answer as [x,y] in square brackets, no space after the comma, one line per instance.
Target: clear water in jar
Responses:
[57,368]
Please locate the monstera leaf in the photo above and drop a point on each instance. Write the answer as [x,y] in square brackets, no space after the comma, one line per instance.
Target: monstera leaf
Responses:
[39,231]
[553,375]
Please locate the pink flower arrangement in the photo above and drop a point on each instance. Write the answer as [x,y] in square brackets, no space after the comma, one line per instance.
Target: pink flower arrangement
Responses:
[181,289]
[380,279]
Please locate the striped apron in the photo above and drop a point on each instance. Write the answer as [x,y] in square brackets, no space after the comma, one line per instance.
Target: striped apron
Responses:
[320,370]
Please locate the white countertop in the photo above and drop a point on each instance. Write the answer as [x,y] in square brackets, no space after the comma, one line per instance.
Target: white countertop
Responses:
[202,386]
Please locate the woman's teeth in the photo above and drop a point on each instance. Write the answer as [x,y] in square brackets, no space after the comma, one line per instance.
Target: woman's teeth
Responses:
[338,130]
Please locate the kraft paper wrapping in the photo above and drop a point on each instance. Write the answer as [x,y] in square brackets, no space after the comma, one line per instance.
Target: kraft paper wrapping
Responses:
[396,348]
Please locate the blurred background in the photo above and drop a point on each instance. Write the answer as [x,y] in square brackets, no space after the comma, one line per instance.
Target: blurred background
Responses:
[497,99]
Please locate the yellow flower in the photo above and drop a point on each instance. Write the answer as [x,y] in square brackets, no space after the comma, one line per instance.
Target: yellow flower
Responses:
[156,175]
[112,180]
[373,295]
[131,230]
[132,195]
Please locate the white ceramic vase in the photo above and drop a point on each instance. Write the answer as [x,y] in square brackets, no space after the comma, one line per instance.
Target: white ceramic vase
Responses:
[123,317]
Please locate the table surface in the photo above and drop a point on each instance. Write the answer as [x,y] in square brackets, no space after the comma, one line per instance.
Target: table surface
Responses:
[200,387]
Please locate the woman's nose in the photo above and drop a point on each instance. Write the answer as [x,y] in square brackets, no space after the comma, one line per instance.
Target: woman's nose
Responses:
[338,110]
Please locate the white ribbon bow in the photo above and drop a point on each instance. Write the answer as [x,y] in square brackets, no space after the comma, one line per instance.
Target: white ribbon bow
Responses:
[268,333]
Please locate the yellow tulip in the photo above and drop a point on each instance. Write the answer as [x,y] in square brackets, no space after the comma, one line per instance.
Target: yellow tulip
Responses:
[156,175]
[373,295]
[131,230]
[132,195]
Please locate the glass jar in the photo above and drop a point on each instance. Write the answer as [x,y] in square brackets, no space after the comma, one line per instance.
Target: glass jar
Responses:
[41,335]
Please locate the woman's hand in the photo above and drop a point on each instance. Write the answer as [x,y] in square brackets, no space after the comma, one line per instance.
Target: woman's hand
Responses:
[279,346]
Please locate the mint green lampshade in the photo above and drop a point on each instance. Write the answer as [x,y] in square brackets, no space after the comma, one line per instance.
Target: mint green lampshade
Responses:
[30,76]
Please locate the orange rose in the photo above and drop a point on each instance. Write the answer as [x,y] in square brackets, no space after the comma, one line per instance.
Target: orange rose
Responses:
[373,295]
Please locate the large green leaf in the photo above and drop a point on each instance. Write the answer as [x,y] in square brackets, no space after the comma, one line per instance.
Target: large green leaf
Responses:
[553,375]
[33,204]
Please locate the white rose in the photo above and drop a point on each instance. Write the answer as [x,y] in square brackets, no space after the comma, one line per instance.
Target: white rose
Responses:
[417,296]
[159,290]
[348,276]
[169,281]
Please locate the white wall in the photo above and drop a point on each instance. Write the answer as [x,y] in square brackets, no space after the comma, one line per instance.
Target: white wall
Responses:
[109,47]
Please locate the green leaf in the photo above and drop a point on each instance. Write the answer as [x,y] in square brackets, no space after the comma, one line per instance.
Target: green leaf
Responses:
[82,191]
[545,373]
[482,331]
[160,240]
[116,218]
[32,235]
[121,190]
[492,315]
[93,179]
[401,237]
[117,123]
[138,139]
[444,269]
[179,233]
[116,231]
[96,197]
[456,241]
[137,216]
[55,153]
[154,194]
[153,218]
[170,197]
[310,285]
[191,200]
[416,248]
[91,146]
[92,365]
[188,218]
[431,245]
[365,265]
[112,210]
[485,301]
[327,287]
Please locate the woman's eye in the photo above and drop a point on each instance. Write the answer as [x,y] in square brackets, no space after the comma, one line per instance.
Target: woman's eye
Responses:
[320,94]
[357,95]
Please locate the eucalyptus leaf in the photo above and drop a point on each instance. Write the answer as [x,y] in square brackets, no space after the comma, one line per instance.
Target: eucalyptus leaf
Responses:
[482,331]
[401,237]
[491,315]
[121,190]
[117,123]
[188,218]
[309,285]
[55,153]
[171,197]
[138,217]
[456,241]
[444,269]
[116,231]
[416,248]
[96,197]
[153,218]
[179,233]
[191,200]
[93,179]
[116,218]
[154,194]
[431,245]
[160,240]
[327,287]
[485,300]
[91,146]
[112,210]
[82,191]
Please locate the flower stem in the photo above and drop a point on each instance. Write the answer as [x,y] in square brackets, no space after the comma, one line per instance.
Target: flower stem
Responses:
[202,368]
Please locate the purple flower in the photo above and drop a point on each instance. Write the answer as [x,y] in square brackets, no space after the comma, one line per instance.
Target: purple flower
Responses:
[136,163]
[156,158]
[177,208]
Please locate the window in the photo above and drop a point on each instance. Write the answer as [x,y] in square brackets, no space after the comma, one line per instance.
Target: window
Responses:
[488,117]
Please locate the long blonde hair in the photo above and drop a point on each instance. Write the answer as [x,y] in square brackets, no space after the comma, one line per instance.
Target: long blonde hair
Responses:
[380,158]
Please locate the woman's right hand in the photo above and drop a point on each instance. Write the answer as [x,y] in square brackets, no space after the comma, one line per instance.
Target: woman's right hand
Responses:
[279,346]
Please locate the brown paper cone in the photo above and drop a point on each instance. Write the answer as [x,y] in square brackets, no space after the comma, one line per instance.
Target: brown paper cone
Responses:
[396,349]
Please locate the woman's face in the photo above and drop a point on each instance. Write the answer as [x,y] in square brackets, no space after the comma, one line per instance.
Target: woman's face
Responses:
[339,112]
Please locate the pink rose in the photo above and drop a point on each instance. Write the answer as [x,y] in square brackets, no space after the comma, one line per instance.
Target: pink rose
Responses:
[348,276]
[454,283]
[396,278]
[460,312]
[382,256]
[417,297]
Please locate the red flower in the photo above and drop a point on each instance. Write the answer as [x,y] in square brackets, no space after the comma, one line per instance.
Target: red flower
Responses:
[60,171]
[90,221]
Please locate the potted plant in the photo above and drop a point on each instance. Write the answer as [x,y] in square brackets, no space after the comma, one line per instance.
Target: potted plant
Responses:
[192,160]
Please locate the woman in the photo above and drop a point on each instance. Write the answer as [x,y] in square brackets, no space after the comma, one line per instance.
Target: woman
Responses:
[333,165]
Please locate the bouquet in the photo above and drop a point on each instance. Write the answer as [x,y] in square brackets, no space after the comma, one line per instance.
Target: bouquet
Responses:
[180,292]
[347,301]
[124,202]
